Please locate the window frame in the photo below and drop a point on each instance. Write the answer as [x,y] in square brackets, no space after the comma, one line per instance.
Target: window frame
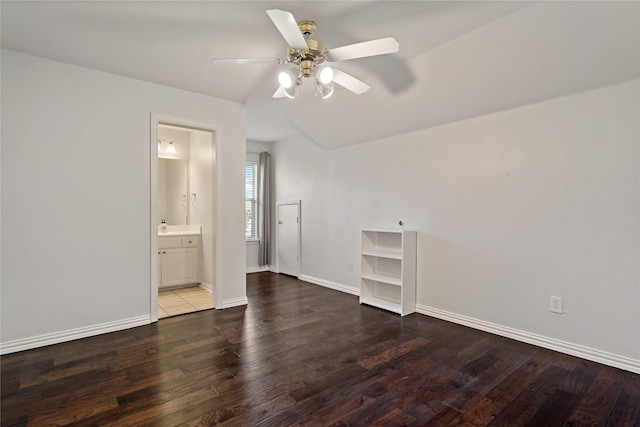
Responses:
[253,200]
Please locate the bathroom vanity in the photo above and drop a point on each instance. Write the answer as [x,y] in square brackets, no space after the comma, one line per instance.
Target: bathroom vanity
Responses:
[179,256]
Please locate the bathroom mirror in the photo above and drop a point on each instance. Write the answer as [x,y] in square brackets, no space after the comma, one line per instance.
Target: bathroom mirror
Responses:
[173,191]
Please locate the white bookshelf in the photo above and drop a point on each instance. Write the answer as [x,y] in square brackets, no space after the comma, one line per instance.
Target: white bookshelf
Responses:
[388,270]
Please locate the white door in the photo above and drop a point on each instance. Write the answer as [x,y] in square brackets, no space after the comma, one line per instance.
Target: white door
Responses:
[288,238]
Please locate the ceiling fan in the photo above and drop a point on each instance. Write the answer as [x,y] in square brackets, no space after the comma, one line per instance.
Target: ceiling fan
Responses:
[307,55]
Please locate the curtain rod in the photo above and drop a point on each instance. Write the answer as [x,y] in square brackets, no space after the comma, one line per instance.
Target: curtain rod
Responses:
[253,152]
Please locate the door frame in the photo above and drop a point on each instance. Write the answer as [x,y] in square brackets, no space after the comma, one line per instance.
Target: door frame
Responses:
[158,119]
[299,245]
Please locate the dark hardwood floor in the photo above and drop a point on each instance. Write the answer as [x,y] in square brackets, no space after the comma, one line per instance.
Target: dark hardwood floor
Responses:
[300,354]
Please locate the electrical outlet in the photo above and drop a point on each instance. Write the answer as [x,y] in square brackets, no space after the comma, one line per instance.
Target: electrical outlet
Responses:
[556,305]
[350,266]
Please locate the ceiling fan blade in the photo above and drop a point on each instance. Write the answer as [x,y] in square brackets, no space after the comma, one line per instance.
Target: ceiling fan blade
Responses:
[349,82]
[364,49]
[243,61]
[279,93]
[288,27]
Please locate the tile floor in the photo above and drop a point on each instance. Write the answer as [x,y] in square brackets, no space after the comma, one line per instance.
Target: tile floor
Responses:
[183,300]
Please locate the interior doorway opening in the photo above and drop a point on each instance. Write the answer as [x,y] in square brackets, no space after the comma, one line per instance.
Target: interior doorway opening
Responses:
[184,217]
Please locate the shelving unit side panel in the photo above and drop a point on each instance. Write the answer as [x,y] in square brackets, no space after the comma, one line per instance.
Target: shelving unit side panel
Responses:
[409,276]
[368,241]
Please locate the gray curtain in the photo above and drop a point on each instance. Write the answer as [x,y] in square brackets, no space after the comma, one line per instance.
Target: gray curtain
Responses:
[264,213]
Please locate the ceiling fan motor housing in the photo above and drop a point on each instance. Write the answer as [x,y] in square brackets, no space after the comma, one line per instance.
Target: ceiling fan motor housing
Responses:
[307,27]
[308,58]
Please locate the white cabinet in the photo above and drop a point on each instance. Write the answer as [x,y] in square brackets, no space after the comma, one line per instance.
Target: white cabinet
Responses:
[178,260]
[388,270]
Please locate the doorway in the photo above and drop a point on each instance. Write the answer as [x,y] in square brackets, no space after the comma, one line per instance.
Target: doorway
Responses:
[184,216]
[288,237]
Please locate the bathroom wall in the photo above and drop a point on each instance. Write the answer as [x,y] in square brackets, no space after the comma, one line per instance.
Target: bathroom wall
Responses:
[173,177]
[180,139]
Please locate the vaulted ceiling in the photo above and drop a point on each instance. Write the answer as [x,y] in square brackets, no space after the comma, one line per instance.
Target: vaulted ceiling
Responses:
[457,59]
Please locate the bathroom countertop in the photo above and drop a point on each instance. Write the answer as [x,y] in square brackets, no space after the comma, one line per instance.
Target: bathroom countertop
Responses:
[178,233]
[181,230]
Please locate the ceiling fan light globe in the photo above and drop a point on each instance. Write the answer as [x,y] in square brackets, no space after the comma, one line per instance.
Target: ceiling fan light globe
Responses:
[325,90]
[326,75]
[328,93]
[285,80]
[291,92]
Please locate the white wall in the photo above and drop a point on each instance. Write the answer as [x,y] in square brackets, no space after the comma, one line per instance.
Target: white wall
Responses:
[510,208]
[202,180]
[76,197]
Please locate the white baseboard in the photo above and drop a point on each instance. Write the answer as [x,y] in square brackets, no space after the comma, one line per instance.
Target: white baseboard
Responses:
[599,356]
[206,286]
[257,269]
[330,285]
[234,302]
[72,334]
[572,349]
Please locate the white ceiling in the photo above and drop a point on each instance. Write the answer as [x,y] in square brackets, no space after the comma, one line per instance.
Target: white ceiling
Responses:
[457,59]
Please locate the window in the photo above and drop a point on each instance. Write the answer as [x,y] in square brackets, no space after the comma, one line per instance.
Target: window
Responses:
[251,204]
